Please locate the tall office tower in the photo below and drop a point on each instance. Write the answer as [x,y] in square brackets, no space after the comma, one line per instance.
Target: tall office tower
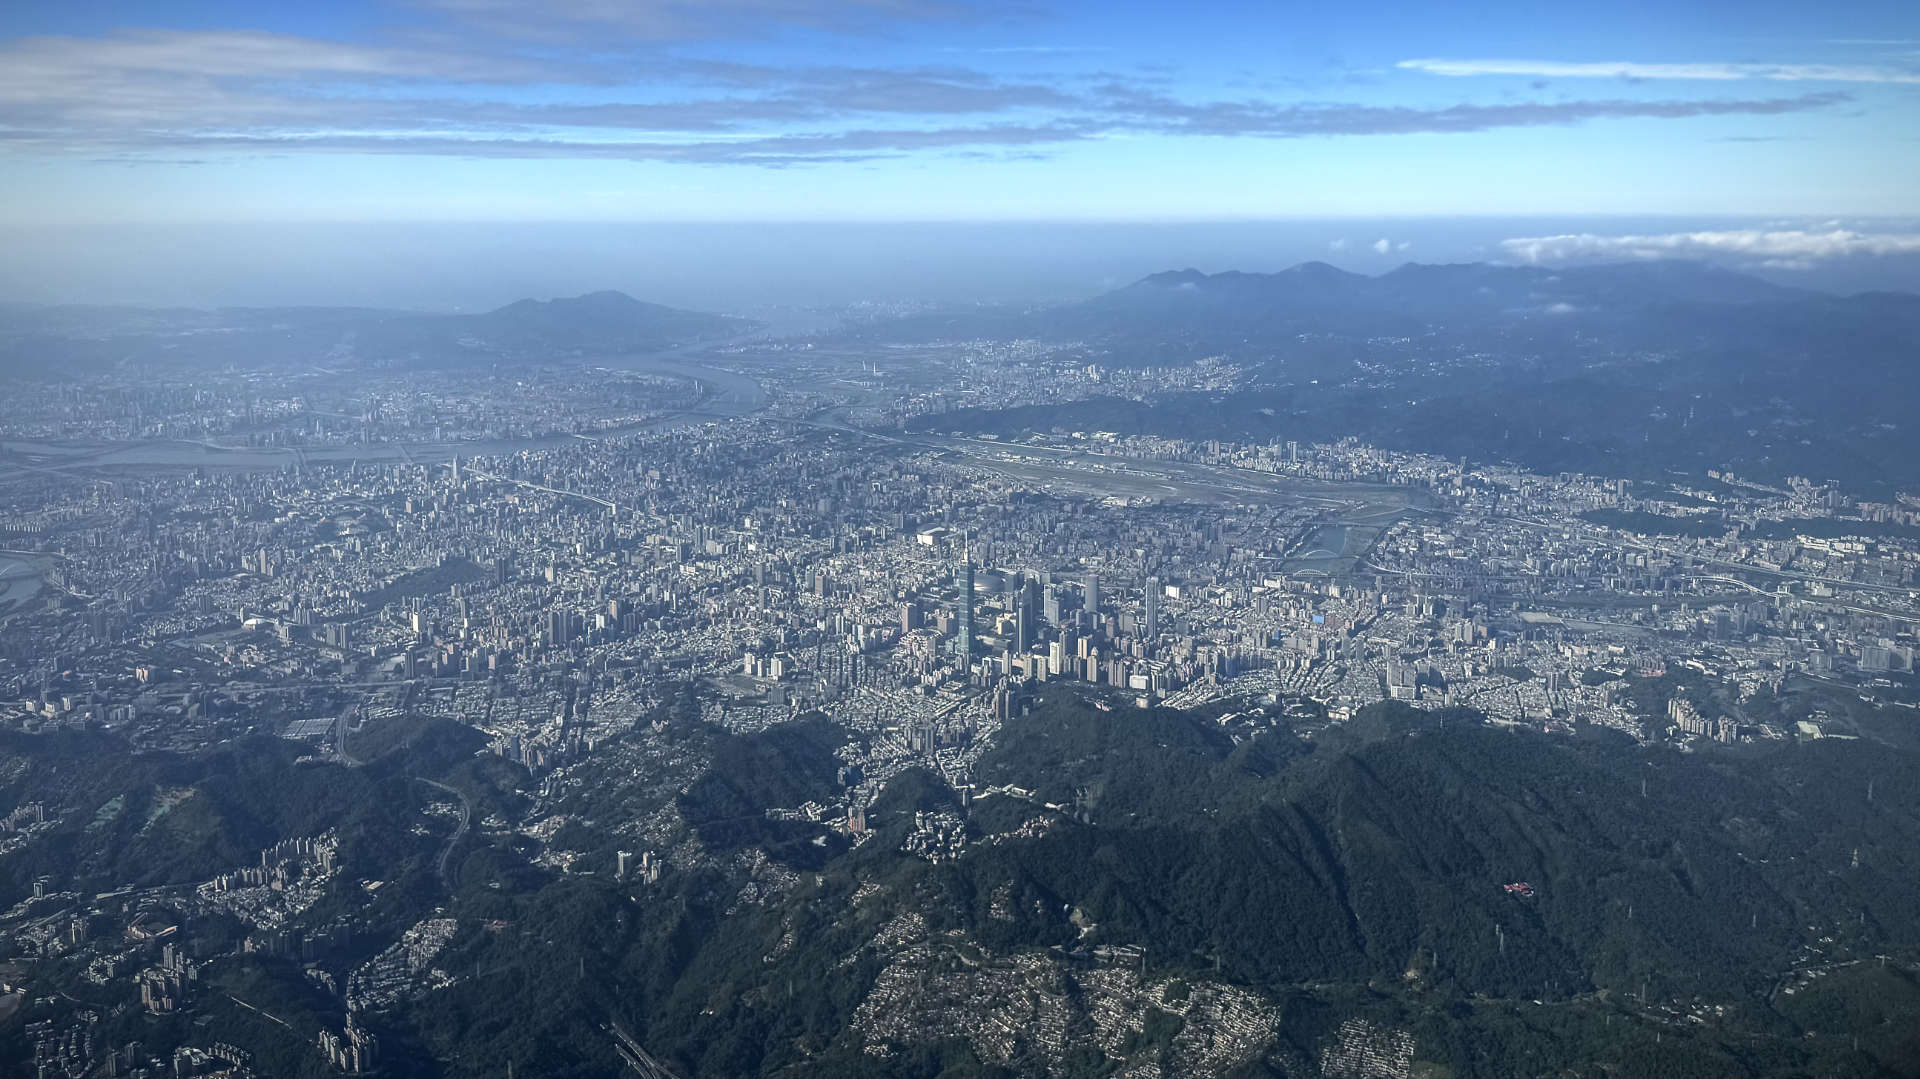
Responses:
[1051,606]
[1022,629]
[1093,593]
[964,613]
[1153,608]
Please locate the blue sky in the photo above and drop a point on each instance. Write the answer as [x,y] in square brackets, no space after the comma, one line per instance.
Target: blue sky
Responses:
[793,110]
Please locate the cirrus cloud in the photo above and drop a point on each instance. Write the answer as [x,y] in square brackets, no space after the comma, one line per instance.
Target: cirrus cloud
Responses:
[1629,69]
[673,20]
[180,92]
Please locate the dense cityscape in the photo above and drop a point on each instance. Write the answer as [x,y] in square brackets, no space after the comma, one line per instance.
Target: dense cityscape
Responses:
[953,539]
[570,562]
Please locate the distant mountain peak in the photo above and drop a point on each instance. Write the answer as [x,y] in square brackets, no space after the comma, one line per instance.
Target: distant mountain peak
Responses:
[1314,272]
[605,301]
[605,318]
[1324,271]
[608,299]
[1174,278]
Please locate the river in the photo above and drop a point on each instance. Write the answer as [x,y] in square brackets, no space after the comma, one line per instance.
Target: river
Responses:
[19,583]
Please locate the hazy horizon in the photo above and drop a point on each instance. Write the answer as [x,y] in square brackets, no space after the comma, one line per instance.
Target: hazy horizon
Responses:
[735,266]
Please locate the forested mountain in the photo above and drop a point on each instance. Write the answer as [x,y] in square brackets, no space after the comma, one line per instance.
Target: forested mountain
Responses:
[1736,912]
[1316,297]
[1637,369]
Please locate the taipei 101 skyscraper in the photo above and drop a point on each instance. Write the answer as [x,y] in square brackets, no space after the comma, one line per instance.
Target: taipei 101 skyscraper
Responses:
[964,615]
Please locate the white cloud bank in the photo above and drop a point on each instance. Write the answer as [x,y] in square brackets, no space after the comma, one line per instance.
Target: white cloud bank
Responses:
[1786,249]
[1628,69]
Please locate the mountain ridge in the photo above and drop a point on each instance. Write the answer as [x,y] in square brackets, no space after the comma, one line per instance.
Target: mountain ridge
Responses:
[53,340]
[1418,283]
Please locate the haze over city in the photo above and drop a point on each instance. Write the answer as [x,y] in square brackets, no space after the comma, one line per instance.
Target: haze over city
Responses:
[931,539]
